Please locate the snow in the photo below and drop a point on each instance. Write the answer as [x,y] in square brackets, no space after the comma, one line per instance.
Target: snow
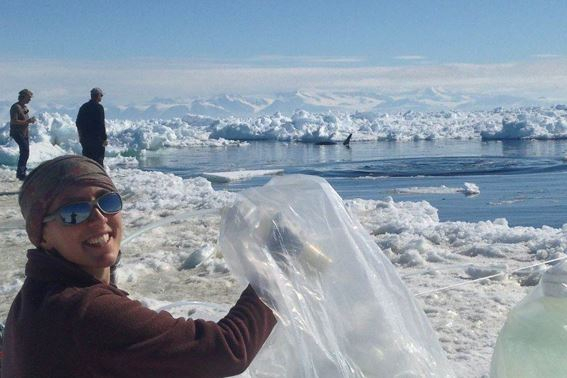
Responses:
[239,175]
[469,189]
[428,254]
[55,134]
[226,105]
[181,253]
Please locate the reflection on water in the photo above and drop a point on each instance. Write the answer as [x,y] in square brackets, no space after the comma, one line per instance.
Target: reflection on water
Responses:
[534,148]
[192,162]
[522,181]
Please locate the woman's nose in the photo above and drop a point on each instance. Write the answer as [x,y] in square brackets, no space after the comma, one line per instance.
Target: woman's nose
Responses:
[97,215]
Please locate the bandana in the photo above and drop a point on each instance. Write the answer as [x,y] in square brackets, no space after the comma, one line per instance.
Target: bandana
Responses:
[50,179]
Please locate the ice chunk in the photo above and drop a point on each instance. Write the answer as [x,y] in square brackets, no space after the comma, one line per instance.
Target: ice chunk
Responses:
[240,175]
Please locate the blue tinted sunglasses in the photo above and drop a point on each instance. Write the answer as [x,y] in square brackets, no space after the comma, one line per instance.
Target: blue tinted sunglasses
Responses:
[76,213]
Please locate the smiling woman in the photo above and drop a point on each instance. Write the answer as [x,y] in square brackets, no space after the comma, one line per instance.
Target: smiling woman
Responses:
[69,318]
[93,241]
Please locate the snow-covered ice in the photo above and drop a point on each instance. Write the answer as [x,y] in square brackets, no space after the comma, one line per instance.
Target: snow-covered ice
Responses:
[181,255]
[55,134]
[469,190]
[427,253]
[240,175]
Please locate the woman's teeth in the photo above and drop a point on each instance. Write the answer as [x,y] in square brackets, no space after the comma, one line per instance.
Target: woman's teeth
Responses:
[98,240]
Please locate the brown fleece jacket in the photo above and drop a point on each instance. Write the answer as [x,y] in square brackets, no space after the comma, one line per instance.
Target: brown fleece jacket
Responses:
[66,323]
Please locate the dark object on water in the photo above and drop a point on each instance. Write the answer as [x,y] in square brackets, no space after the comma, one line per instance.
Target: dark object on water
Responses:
[330,142]
[325,143]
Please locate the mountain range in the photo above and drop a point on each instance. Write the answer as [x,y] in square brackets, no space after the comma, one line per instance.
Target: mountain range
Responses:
[221,106]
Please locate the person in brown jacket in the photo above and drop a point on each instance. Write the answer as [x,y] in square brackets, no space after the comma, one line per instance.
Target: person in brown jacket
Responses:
[19,124]
[69,318]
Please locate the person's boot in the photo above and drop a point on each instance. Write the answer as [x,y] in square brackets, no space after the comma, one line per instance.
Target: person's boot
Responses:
[21,173]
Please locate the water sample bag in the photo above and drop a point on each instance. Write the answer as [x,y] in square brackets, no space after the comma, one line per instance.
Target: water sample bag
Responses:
[342,309]
[533,341]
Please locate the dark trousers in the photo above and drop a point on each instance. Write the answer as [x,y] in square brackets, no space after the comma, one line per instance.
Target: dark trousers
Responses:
[24,144]
[95,152]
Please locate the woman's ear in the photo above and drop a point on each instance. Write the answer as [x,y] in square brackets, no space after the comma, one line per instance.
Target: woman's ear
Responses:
[44,244]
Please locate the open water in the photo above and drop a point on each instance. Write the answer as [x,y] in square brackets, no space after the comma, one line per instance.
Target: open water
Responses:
[522,181]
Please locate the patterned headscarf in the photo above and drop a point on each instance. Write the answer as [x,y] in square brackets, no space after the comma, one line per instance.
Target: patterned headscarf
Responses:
[51,178]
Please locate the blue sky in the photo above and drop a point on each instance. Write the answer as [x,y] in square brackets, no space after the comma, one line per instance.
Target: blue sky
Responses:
[145,49]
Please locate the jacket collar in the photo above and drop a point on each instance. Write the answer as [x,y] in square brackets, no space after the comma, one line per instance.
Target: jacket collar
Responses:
[50,266]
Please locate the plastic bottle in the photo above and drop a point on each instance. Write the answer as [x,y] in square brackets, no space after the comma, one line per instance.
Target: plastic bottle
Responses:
[533,341]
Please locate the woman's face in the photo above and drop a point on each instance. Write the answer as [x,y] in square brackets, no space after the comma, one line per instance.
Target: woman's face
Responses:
[94,244]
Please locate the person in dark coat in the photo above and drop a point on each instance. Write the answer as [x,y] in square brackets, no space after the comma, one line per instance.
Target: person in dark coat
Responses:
[19,124]
[91,127]
[71,320]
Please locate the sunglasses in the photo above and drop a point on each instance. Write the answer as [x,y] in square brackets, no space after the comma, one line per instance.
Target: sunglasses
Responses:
[77,213]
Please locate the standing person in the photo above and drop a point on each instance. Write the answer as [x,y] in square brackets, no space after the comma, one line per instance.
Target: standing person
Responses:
[91,128]
[71,320]
[19,124]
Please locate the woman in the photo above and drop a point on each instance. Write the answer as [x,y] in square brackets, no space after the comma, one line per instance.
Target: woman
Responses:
[70,320]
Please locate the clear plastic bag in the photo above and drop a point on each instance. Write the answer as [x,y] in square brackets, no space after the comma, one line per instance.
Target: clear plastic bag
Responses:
[533,341]
[341,307]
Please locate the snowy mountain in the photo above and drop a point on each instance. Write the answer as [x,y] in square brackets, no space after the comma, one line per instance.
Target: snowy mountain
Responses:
[423,100]
[226,105]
